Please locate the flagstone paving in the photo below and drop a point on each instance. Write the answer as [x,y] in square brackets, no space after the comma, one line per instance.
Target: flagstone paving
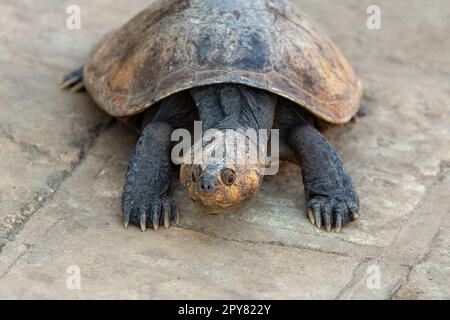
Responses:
[63,161]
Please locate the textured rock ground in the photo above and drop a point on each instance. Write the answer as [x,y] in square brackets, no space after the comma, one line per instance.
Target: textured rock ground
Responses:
[62,165]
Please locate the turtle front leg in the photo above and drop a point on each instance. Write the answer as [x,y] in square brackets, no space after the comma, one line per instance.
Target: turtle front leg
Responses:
[145,199]
[331,198]
[73,80]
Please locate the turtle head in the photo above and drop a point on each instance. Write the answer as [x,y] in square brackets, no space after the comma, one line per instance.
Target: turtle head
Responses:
[219,187]
[219,184]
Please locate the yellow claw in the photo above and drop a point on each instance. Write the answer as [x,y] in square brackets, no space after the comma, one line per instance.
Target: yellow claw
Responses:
[143,221]
[64,84]
[311,217]
[126,220]
[318,221]
[77,88]
[166,222]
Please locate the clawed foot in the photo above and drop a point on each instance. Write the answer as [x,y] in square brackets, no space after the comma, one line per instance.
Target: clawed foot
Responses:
[151,210]
[333,211]
[73,81]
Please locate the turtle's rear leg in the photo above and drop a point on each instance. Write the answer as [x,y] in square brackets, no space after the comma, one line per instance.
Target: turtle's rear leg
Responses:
[73,80]
[362,112]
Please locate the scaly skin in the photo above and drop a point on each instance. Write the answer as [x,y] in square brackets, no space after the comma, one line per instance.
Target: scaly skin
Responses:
[145,200]
[331,198]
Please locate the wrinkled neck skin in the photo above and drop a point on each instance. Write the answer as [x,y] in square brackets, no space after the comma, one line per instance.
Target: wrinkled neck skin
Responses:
[222,107]
[231,106]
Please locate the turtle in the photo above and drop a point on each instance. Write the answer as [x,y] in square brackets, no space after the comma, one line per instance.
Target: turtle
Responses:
[233,65]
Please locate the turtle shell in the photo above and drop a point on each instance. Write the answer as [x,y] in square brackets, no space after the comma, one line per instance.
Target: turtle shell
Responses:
[180,44]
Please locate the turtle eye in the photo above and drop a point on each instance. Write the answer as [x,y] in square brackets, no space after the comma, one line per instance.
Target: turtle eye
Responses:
[228,176]
[196,173]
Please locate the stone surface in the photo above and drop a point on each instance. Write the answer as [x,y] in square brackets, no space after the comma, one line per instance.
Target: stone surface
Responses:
[84,229]
[429,278]
[62,165]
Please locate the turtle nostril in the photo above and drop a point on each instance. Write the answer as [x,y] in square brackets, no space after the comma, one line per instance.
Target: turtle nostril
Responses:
[207,185]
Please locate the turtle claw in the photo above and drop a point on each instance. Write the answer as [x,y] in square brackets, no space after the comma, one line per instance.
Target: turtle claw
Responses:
[318,219]
[143,221]
[126,219]
[332,212]
[166,222]
[73,81]
[64,84]
[77,87]
[167,219]
[327,222]
[150,211]
[155,216]
[338,226]
[311,217]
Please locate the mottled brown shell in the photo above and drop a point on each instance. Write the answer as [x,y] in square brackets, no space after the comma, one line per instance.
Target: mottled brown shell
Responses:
[175,45]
